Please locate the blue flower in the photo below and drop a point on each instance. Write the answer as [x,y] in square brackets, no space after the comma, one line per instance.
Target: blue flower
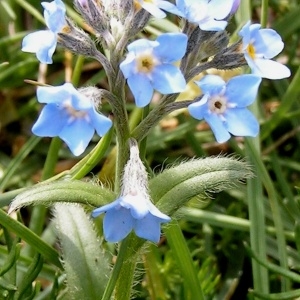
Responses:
[155,7]
[43,42]
[70,115]
[131,212]
[149,66]
[223,105]
[208,14]
[259,46]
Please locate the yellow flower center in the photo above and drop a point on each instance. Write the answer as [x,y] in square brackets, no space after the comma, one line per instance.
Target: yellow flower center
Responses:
[251,51]
[217,104]
[145,62]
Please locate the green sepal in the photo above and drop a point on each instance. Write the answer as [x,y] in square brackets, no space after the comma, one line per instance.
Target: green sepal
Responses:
[85,263]
[175,186]
[73,191]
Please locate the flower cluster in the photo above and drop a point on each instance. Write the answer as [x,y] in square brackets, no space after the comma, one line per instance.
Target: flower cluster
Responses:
[165,65]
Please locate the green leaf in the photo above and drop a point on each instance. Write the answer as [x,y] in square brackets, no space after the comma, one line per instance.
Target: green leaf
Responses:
[86,265]
[175,186]
[74,191]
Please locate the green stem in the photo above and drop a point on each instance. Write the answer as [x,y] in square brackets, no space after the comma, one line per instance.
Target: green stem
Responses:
[264,13]
[77,70]
[90,161]
[257,219]
[184,260]
[265,177]
[122,275]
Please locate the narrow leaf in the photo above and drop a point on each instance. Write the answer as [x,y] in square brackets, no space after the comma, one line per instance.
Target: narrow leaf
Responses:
[86,265]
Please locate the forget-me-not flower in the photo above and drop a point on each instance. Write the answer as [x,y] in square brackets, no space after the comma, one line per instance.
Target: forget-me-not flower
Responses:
[156,7]
[133,210]
[69,114]
[223,105]
[149,66]
[210,15]
[259,46]
[43,42]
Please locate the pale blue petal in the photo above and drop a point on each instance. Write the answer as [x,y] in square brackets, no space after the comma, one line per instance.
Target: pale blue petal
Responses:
[77,134]
[128,66]
[43,43]
[172,47]
[157,213]
[103,209]
[242,90]
[117,224]
[200,108]
[101,123]
[169,7]
[267,42]
[219,9]
[54,14]
[153,10]
[213,25]
[241,122]
[245,33]
[270,69]
[141,89]
[181,5]
[136,204]
[211,84]
[51,121]
[218,128]
[148,228]
[141,45]
[168,79]
[53,94]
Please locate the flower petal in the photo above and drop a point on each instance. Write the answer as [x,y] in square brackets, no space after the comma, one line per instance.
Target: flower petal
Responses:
[136,204]
[213,25]
[172,47]
[117,224]
[54,14]
[168,79]
[242,90]
[128,65]
[219,9]
[105,208]
[270,69]
[141,89]
[77,135]
[211,84]
[43,43]
[241,122]
[157,213]
[153,10]
[53,94]
[200,108]
[44,126]
[217,126]
[169,7]
[101,123]
[148,228]
[268,43]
